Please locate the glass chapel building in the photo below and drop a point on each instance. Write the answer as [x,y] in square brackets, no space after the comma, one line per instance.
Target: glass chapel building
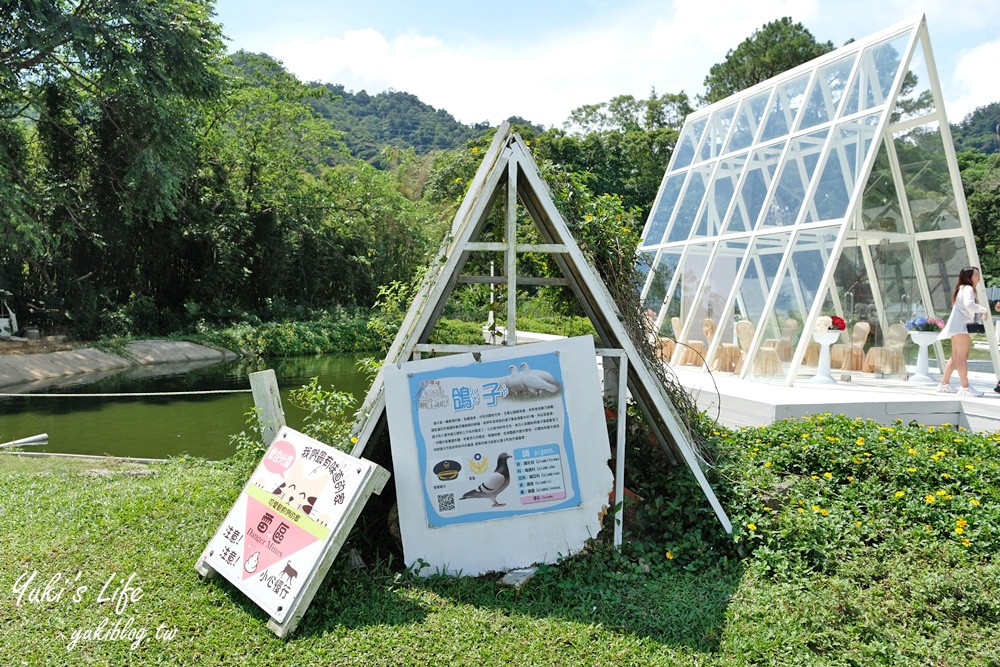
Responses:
[831,189]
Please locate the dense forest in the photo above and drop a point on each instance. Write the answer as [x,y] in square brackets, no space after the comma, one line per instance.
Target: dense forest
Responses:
[150,180]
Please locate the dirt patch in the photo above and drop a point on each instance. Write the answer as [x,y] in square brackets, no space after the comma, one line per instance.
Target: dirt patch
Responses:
[36,346]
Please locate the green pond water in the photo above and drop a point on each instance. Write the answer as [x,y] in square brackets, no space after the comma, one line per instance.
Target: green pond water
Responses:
[160,427]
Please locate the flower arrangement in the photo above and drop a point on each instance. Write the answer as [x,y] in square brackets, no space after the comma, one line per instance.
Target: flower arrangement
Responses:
[924,324]
[824,323]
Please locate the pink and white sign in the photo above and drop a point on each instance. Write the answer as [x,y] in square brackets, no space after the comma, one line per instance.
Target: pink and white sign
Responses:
[274,536]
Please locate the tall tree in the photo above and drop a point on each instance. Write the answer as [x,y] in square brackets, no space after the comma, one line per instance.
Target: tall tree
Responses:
[774,48]
[97,99]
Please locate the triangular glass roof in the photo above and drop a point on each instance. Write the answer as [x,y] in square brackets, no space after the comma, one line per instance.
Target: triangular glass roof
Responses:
[831,189]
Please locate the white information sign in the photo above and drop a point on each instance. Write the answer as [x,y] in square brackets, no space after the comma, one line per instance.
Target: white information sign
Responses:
[517,434]
[288,523]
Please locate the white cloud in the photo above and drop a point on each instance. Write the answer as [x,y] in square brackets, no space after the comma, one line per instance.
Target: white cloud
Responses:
[975,80]
[496,72]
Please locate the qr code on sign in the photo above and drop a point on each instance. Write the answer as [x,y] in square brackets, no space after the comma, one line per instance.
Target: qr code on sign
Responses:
[446,502]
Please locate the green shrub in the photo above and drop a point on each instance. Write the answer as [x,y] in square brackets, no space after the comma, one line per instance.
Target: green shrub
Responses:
[345,333]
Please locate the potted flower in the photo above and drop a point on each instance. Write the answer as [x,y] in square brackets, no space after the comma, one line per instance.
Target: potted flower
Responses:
[924,324]
[828,329]
[826,332]
[924,331]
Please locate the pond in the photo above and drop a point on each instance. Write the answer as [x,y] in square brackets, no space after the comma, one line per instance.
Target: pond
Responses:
[78,421]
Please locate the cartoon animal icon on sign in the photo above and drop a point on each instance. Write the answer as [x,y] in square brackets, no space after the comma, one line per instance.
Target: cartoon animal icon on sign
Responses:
[289,572]
[494,484]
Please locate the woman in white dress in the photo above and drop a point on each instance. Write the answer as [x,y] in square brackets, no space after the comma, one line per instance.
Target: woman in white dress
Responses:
[964,310]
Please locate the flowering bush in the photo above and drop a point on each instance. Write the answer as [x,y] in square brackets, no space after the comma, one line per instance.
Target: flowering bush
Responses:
[824,323]
[924,324]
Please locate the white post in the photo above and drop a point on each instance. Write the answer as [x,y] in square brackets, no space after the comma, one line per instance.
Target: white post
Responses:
[267,400]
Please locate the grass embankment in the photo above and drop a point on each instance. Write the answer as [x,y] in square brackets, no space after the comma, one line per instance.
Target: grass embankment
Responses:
[865,545]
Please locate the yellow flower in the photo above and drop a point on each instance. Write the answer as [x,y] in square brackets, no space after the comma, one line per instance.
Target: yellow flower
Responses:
[900,494]
[828,475]
[458,180]
[959,531]
[911,470]
[942,492]
[752,526]
[801,511]
[961,523]
[911,450]
[966,542]
[929,498]
[805,435]
[824,512]
[857,523]
[973,502]
[670,555]
[946,476]
[475,149]
[354,440]
[813,476]
[815,508]
[768,509]
[970,467]
[859,441]
[767,464]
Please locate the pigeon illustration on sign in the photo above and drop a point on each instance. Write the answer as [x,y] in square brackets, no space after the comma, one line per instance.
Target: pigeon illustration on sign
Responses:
[493,485]
[515,386]
[538,382]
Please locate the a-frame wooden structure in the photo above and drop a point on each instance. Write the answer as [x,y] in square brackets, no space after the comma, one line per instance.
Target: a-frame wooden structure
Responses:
[508,169]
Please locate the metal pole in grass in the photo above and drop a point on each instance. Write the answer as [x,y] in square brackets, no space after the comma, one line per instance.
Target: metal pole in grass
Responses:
[40,439]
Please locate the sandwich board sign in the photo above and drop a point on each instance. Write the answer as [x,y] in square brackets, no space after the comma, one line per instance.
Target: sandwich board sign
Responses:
[500,460]
[288,524]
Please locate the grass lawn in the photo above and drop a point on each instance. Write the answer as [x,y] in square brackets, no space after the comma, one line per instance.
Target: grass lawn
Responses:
[862,546]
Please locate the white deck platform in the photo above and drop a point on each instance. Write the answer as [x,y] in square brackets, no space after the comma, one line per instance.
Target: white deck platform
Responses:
[734,402]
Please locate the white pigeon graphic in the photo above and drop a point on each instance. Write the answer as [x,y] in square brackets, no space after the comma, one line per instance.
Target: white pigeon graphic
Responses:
[513,381]
[496,482]
[538,382]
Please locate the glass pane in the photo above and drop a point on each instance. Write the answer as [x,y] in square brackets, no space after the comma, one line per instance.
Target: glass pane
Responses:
[662,273]
[718,130]
[687,145]
[800,163]
[761,273]
[720,194]
[785,106]
[721,279]
[661,211]
[762,269]
[897,281]
[748,121]
[854,290]
[796,292]
[942,260]
[827,92]
[915,98]
[926,178]
[879,65]
[753,192]
[881,205]
[693,304]
[848,150]
[687,210]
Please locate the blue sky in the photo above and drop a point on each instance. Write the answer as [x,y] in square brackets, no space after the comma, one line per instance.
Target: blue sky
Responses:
[541,59]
